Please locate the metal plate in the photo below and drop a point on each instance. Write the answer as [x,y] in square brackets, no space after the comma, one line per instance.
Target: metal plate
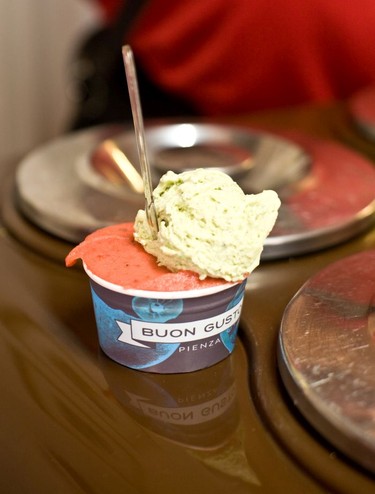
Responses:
[362,109]
[256,160]
[327,354]
[327,191]
[51,194]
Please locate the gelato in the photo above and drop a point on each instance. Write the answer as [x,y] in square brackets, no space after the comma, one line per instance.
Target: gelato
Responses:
[112,254]
[180,311]
[208,225]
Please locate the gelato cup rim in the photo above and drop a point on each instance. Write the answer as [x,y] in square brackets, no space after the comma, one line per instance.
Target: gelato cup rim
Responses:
[193,293]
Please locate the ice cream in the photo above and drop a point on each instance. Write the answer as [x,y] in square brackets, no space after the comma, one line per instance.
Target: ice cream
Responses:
[176,308]
[209,232]
[112,254]
[208,225]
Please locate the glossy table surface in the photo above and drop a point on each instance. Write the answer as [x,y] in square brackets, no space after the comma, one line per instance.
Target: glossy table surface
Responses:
[72,421]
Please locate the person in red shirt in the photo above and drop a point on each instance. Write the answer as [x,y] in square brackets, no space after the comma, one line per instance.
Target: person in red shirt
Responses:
[215,57]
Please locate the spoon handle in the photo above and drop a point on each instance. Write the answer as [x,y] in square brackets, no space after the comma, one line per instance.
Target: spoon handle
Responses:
[136,108]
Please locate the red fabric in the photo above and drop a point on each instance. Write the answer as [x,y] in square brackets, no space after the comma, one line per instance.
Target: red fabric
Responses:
[110,8]
[244,55]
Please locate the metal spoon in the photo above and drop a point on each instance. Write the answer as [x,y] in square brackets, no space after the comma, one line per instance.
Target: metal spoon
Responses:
[136,108]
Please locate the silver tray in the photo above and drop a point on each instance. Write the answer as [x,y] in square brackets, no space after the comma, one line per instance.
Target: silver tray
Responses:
[327,354]
[362,110]
[327,191]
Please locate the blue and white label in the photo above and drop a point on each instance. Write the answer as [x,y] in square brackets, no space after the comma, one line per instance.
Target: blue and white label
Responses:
[139,333]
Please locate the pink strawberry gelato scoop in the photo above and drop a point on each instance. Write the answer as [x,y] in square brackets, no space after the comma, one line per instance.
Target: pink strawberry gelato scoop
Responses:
[112,254]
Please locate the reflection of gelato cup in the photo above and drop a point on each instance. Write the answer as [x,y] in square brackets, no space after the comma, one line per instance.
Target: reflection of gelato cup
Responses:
[166,332]
[199,410]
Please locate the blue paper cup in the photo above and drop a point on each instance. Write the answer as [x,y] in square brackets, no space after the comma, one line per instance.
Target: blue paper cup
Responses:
[166,332]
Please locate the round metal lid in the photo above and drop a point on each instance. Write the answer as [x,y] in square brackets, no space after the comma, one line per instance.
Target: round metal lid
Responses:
[327,354]
[362,109]
[327,190]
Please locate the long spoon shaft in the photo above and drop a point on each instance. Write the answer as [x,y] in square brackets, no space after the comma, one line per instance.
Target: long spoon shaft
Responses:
[136,108]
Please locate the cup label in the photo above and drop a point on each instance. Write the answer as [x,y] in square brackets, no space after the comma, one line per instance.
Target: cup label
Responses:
[167,335]
[141,331]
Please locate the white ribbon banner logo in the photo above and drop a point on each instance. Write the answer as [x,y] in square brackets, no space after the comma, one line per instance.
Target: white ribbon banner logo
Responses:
[141,331]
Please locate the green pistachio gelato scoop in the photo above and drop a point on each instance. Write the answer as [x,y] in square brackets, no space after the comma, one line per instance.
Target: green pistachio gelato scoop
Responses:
[207,224]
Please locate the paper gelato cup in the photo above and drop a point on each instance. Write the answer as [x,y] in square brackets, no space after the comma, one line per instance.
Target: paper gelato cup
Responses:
[166,332]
